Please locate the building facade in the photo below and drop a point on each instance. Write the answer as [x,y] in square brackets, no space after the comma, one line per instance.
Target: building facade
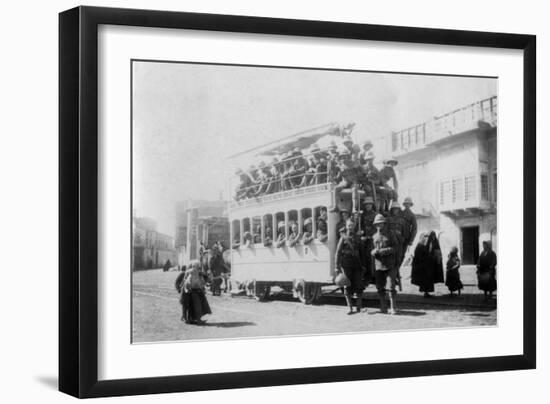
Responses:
[199,222]
[151,249]
[449,167]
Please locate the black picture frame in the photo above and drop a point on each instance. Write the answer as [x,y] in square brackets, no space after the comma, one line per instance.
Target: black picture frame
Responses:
[78,200]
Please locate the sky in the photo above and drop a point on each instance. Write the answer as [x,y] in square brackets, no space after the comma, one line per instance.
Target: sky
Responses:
[189,118]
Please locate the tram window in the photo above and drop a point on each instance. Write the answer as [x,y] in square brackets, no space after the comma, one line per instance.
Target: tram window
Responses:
[321,223]
[268,230]
[236,224]
[257,230]
[247,233]
[292,220]
[280,220]
[307,221]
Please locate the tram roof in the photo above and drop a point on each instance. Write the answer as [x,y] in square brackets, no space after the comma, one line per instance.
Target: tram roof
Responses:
[301,140]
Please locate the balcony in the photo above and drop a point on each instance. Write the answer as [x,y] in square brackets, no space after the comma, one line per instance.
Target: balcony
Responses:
[465,195]
[481,114]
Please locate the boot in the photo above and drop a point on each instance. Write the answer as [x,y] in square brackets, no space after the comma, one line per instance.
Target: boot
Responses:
[383,303]
[348,302]
[393,307]
[359,303]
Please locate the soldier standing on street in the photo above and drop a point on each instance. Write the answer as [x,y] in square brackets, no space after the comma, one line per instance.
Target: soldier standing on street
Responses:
[410,225]
[396,224]
[349,260]
[384,263]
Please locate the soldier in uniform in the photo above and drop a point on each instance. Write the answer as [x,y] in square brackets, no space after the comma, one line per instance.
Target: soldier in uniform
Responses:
[367,146]
[307,236]
[293,235]
[275,184]
[322,227]
[264,179]
[387,173]
[281,236]
[287,170]
[371,180]
[396,224]
[351,173]
[410,225]
[244,189]
[368,230]
[341,226]
[333,170]
[350,261]
[384,263]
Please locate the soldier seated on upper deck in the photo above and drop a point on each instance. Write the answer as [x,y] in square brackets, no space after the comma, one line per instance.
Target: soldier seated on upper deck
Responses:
[299,168]
[286,171]
[371,178]
[264,179]
[350,172]
[245,187]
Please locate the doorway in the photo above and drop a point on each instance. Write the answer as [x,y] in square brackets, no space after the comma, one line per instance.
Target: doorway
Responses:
[470,245]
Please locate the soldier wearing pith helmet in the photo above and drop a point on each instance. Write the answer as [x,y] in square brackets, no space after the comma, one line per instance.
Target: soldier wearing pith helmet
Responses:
[383,253]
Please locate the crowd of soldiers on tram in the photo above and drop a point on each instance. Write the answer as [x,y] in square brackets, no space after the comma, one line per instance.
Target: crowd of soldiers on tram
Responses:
[347,166]
[373,238]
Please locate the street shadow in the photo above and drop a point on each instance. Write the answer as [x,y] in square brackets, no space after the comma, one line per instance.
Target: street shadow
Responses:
[48,381]
[413,313]
[229,324]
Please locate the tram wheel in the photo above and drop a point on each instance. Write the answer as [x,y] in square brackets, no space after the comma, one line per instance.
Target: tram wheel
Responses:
[261,291]
[309,293]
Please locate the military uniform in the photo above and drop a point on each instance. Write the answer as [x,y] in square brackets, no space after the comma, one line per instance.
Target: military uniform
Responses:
[383,253]
[307,236]
[322,229]
[387,173]
[350,260]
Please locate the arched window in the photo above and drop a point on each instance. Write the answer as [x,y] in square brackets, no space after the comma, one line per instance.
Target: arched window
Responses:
[320,216]
[267,230]
[257,231]
[236,232]
[281,224]
[305,215]
[292,220]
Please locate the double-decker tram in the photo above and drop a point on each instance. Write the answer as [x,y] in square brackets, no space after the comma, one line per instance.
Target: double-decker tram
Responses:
[282,230]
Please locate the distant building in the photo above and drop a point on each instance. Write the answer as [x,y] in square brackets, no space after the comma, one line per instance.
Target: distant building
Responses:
[449,167]
[199,221]
[151,249]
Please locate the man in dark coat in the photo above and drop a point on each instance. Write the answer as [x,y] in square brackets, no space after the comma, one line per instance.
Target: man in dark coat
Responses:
[383,252]
[486,270]
[350,261]
[396,224]
[410,224]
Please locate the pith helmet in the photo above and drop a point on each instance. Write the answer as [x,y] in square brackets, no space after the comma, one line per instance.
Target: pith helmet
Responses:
[281,224]
[332,145]
[347,139]
[368,199]
[367,144]
[395,205]
[341,280]
[391,160]
[408,201]
[379,219]
[309,220]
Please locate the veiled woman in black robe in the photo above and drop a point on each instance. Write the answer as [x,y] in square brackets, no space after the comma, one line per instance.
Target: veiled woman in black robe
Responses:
[422,274]
[486,270]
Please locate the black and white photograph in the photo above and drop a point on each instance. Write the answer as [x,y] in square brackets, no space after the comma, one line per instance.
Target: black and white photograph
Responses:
[273,201]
